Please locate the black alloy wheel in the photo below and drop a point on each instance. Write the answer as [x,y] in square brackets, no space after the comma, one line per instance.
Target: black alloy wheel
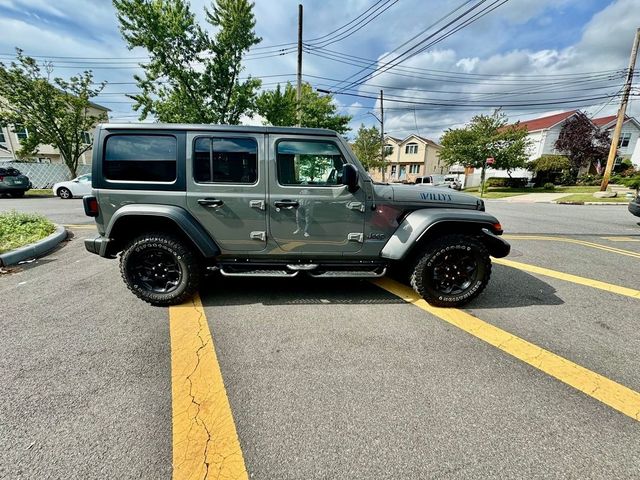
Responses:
[452,271]
[160,269]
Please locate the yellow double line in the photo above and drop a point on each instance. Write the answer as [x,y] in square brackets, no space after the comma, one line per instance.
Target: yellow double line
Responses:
[584,243]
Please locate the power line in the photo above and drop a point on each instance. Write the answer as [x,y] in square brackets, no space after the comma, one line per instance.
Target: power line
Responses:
[408,53]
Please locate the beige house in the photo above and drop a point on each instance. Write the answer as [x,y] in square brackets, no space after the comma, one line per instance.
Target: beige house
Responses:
[407,159]
[10,142]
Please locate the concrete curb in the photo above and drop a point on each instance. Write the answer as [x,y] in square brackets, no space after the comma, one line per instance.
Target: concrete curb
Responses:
[625,204]
[33,250]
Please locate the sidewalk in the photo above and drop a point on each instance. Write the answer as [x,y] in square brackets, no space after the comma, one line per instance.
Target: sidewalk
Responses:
[532,198]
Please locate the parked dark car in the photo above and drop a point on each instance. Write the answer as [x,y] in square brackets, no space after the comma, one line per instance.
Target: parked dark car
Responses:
[13,182]
[634,206]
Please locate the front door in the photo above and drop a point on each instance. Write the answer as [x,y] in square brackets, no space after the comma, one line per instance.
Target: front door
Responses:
[310,211]
[227,188]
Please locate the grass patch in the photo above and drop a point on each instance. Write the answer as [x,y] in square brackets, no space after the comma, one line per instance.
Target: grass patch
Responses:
[503,192]
[588,197]
[19,229]
[39,192]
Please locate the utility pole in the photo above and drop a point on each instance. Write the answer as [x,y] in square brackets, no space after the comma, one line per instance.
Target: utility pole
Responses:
[299,86]
[384,165]
[621,113]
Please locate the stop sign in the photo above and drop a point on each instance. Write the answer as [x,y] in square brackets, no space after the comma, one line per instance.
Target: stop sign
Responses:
[491,161]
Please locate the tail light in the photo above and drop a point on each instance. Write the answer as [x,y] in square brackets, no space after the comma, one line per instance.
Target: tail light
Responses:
[1,178]
[90,206]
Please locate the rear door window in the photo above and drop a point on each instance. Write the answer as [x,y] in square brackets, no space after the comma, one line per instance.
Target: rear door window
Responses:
[225,160]
[140,158]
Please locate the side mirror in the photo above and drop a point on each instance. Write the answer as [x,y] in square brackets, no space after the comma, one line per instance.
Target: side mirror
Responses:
[350,177]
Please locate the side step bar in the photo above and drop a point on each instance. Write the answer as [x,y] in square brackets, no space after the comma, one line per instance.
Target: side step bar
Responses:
[260,273]
[292,272]
[350,274]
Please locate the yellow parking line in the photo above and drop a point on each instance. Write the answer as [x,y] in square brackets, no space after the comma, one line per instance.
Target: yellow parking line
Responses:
[205,441]
[598,246]
[607,391]
[567,277]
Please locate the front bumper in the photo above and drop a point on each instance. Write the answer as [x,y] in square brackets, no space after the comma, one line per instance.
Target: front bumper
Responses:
[497,247]
[634,208]
[98,245]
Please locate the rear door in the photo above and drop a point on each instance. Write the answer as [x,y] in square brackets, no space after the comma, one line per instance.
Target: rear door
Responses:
[226,188]
[310,211]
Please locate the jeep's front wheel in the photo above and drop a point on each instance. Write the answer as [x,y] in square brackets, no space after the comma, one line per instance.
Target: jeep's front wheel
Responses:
[453,270]
[160,269]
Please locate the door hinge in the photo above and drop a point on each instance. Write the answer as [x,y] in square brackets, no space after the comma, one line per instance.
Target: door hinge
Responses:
[260,204]
[356,237]
[262,236]
[356,206]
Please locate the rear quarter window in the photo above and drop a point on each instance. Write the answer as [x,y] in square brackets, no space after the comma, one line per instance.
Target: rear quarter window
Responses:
[140,158]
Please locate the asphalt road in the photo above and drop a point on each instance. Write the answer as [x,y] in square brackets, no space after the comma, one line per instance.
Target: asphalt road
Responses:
[329,379]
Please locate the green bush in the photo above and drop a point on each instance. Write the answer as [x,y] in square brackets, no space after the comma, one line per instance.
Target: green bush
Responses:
[632,183]
[19,229]
[625,164]
[589,180]
[507,182]
[549,186]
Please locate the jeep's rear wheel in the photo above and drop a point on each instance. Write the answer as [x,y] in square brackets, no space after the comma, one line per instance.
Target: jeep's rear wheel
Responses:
[453,270]
[160,269]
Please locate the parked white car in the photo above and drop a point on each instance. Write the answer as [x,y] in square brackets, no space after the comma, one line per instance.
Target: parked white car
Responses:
[78,187]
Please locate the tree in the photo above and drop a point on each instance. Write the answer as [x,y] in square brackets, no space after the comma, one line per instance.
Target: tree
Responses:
[549,168]
[55,112]
[278,107]
[367,147]
[190,76]
[582,142]
[486,136]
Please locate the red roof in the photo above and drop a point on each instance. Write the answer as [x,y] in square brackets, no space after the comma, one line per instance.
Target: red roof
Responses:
[546,122]
[603,120]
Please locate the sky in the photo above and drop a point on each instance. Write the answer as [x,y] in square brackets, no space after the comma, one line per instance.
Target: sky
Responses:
[531,57]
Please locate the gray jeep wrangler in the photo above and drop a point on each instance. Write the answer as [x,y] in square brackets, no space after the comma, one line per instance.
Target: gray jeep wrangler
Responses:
[176,201]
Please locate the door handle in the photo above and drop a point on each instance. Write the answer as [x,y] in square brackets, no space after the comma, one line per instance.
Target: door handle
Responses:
[287,204]
[210,202]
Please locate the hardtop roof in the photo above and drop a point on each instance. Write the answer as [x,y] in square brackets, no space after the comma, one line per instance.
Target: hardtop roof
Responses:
[218,128]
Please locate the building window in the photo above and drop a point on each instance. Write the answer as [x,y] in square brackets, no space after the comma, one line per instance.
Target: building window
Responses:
[225,160]
[625,138]
[411,148]
[21,132]
[146,158]
[388,149]
[393,170]
[86,138]
[414,168]
[3,139]
[301,162]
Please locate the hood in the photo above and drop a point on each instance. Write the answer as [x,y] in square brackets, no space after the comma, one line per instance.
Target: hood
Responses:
[432,196]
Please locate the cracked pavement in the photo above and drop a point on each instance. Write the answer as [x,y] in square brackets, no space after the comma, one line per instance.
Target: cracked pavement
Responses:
[325,379]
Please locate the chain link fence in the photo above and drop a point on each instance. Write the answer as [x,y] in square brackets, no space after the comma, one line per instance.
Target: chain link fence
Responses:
[44,175]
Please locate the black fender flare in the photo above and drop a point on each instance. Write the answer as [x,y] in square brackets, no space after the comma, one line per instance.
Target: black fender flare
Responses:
[419,222]
[178,215]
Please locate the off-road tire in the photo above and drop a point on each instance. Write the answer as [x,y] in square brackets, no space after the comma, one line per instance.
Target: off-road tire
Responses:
[183,255]
[422,278]
[64,193]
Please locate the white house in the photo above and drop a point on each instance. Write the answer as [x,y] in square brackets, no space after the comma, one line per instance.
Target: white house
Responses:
[628,145]
[544,131]
[10,137]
